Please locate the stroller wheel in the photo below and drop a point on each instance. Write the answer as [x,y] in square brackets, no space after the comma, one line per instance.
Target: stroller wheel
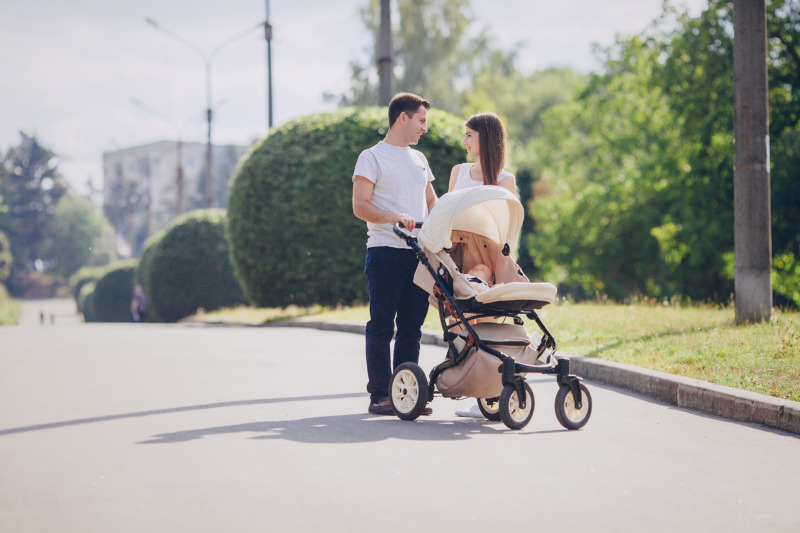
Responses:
[490,408]
[567,414]
[408,391]
[512,415]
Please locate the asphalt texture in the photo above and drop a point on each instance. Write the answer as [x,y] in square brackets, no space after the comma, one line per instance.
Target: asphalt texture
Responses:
[147,427]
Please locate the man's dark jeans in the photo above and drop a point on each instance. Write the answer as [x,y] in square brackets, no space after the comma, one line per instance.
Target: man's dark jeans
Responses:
[392,295]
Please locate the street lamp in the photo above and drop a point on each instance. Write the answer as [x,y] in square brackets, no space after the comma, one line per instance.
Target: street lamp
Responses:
[268,37]
[208,60]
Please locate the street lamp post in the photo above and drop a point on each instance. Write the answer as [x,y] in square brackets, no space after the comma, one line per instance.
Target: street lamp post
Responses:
[208,60]
[268,37]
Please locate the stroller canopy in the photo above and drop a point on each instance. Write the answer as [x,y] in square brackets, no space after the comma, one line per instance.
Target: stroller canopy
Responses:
[489,211]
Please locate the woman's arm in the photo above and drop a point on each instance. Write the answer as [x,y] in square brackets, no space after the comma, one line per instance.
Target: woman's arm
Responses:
[453,178]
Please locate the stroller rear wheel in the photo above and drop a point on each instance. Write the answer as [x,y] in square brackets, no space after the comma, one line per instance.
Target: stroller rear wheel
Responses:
[512,415]
[567,414]
[490,408]
[408,391]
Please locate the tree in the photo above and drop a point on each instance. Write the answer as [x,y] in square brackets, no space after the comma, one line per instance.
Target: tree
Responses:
[31,187]
[660,116]
[433,54]
[76,236]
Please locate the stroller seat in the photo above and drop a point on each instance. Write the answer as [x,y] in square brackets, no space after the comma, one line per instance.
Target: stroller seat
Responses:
[518,296]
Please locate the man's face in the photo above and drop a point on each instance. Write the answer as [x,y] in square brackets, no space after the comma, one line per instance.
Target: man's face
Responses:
[416,125]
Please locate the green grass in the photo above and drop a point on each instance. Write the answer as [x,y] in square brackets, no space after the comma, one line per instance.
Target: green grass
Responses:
[9,309]
[697,342]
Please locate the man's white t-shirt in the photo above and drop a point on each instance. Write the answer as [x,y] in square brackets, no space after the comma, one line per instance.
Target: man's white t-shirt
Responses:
[401,175]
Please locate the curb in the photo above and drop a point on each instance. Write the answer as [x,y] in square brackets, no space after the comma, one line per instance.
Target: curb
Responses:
[688,393]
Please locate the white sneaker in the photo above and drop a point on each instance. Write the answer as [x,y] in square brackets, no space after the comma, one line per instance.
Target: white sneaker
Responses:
[472,412]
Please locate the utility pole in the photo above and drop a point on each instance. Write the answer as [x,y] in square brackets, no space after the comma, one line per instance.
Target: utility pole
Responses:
[752,228]
[268,37]
[385,56]
[208,61]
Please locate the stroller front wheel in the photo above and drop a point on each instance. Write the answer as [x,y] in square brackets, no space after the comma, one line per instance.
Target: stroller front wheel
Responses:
[408,391]
[511,413]
[567,413]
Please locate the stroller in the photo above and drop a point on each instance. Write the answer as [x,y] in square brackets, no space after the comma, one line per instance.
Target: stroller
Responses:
[489,351]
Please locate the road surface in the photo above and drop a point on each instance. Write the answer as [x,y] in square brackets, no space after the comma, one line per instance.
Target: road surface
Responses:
[149,428]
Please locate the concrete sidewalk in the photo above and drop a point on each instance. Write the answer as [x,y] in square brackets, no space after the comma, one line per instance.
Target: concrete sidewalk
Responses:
[718,400]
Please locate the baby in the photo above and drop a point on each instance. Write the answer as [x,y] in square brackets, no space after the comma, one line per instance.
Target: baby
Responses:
[480,277]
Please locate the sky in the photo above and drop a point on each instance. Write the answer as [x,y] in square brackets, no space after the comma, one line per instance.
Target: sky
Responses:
[91,76]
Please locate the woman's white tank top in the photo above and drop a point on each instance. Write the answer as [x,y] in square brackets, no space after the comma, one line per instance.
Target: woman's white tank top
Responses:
[464,181]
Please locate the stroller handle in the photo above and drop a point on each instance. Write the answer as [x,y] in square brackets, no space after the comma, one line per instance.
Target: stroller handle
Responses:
[401,232]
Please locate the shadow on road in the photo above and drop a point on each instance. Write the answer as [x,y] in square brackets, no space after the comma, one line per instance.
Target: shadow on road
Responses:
[96,419]
[343,429]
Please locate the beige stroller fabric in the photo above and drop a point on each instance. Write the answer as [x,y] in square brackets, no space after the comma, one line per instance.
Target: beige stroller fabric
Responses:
[472,226]
[477,376]
[469,227]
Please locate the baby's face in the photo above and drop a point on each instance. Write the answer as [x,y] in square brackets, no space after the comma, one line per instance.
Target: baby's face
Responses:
[482,271]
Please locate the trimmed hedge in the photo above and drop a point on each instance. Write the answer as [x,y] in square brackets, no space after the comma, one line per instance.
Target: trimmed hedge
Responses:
[189,268]
[5,257]
[84,276]
[111,299]
[143,266]
[294,238]
[85,302]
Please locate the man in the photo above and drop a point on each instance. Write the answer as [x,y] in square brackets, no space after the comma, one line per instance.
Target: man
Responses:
[392,184]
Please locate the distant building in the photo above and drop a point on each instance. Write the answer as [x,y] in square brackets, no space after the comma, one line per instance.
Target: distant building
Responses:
[145,187]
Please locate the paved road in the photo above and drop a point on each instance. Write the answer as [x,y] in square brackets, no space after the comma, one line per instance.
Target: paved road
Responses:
[143,428]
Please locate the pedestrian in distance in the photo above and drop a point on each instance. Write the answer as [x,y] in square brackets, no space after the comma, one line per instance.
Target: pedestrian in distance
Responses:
[392,184]
[138,304]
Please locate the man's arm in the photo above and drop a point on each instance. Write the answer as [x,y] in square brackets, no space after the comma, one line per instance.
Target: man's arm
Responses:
[366,211]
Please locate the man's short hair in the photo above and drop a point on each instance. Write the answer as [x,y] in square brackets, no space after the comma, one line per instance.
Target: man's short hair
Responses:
[405,103]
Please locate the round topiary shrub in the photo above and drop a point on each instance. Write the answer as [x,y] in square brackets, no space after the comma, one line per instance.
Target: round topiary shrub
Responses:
[190,268]
[85,302]
[294,238]
[111,299]
[84,276]
[143,266]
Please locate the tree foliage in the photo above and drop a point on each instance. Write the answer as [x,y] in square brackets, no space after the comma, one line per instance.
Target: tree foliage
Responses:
[76,236]
[435,54]
[30,186]
[638,169]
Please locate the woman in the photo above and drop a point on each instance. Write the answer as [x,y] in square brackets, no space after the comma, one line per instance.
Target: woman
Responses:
[485,141]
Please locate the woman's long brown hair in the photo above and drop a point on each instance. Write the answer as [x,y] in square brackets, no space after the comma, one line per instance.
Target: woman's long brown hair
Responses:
[492,143]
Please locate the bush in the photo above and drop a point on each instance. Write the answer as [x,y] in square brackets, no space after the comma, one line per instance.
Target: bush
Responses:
[85,302]
[84,276]
[5,257]
[189,267]
[143,266]
[294,239]
[111,299]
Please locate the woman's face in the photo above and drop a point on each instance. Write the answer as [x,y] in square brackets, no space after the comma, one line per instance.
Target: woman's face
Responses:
[470,142]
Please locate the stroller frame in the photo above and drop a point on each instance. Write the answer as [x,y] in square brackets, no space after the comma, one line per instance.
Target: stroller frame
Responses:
[509,369]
